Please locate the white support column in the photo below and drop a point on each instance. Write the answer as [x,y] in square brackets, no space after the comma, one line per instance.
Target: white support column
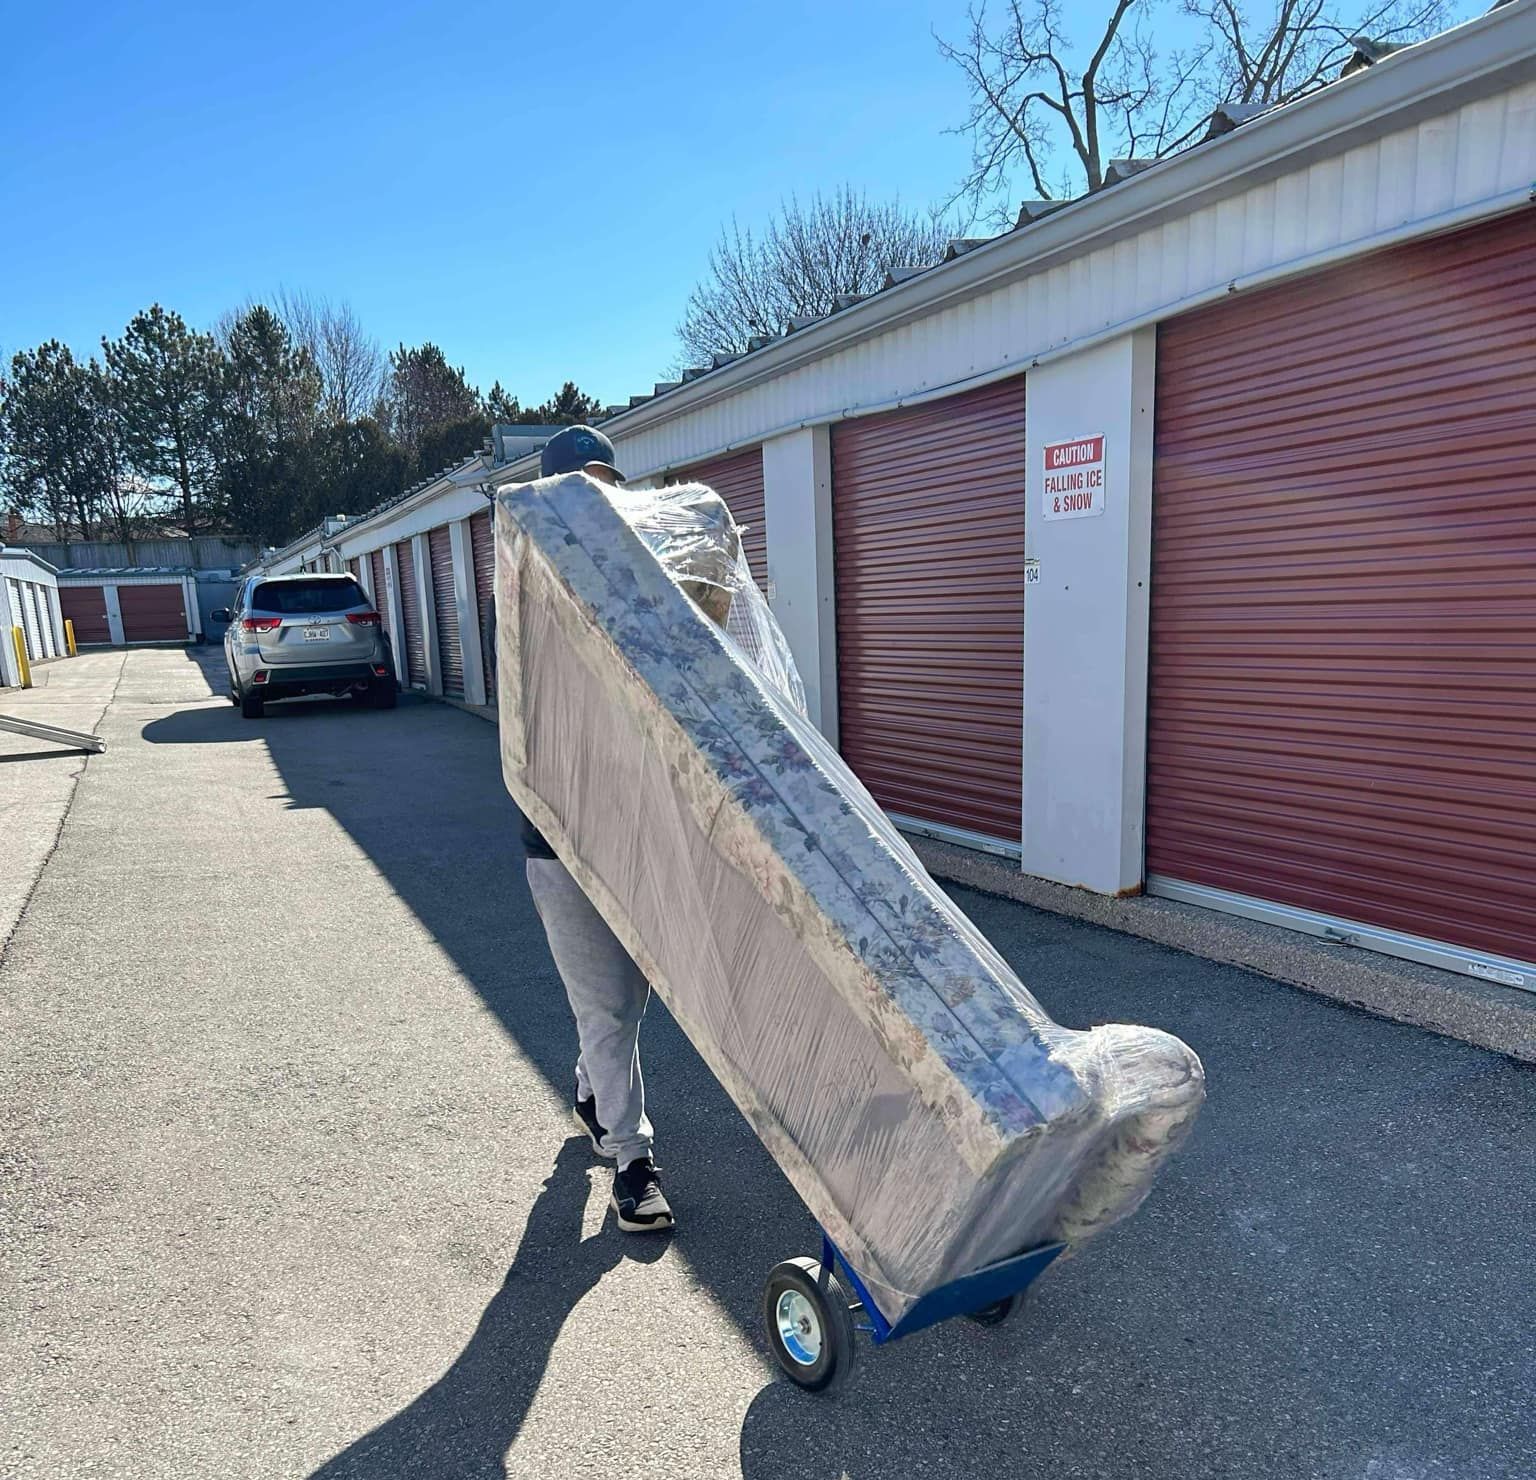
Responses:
[193,613]
[797,515]
[391,610]
[469,615]
[114,616]
[1085,626]
[421,558]
[365,579]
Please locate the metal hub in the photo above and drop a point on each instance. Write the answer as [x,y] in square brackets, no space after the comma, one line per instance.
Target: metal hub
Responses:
[799,1327]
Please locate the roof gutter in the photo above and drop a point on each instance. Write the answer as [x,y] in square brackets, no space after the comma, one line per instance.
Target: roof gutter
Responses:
[1422,80]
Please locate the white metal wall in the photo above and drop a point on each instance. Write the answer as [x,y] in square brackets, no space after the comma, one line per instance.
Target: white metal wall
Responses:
[1470,161]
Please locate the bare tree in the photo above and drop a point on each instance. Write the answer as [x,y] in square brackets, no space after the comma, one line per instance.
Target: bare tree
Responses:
[1034,93]
[805,259]
[349,360]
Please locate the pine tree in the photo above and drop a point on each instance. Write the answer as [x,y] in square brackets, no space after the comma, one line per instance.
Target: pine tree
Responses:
[166,381]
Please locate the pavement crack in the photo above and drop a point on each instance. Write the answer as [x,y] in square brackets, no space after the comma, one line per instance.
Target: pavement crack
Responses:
[58,834]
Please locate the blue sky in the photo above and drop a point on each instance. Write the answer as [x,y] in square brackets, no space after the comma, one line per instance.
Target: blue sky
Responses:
[533,188]
[533,191]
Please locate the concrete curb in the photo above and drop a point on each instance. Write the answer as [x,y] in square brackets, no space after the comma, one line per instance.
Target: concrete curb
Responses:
[1497,1018]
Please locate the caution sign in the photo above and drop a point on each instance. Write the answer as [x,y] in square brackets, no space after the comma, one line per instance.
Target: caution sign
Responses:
[1074,478]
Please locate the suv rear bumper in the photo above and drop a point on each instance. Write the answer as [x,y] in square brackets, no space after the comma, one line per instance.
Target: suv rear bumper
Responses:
[315,678]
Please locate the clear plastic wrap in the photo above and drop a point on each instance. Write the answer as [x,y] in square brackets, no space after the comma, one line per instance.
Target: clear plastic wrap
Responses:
[873,1037]
[690,530]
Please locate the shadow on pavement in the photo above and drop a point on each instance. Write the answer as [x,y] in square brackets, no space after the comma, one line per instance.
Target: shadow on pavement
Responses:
[463,1425]
[1326,1282]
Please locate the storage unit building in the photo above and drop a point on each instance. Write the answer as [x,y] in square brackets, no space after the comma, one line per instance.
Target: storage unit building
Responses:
[29,602]
[1235,601]
[132,604]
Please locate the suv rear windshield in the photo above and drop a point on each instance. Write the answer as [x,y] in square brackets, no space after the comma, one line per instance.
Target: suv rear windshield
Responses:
[300,598]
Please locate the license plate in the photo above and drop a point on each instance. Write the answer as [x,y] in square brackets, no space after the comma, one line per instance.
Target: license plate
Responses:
[317,634]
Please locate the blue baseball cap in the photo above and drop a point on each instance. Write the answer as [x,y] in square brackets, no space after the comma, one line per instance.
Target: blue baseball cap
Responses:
[575,448]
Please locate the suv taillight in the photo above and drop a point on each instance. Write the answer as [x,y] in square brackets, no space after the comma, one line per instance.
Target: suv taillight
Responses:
[262,624]
[363,619]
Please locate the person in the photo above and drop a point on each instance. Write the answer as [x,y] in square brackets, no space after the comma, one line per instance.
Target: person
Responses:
[608,993]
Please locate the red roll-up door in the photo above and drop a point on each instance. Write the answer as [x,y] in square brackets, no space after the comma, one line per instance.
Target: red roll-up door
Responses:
[1343,659]
[738,479]
[86,607]
[153,613]
[482,540]
[450,656]
[410,616]
[376,571]
[928,539]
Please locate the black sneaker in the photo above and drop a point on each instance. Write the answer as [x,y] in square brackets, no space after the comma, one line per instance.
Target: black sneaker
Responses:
[638,1201]
[584,1113]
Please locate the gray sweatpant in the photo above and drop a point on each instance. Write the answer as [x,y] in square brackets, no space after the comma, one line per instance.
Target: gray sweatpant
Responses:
[608,994]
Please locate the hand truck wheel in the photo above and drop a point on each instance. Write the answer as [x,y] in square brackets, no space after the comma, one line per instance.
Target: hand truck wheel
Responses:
[996,1313]
[809,1323]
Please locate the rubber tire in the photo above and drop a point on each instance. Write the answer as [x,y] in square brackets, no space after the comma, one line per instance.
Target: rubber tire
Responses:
[233,691]
[996,1313]
[252,706]
[383,695]
[832,1303]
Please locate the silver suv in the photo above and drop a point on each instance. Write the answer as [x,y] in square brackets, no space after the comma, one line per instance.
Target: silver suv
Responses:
[305,634]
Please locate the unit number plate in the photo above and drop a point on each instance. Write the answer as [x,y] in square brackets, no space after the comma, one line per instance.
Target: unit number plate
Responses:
[317,634]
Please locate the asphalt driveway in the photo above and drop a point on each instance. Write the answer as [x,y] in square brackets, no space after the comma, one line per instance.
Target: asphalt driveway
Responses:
[286,1187]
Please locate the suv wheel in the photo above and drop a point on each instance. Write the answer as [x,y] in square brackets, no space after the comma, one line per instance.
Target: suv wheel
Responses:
[383,694]
[252,706]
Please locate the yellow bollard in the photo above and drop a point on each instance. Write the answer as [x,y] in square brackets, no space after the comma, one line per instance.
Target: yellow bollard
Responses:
[69,637]
[19,640]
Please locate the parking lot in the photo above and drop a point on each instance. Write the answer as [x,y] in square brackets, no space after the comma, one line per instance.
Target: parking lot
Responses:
[288,1187]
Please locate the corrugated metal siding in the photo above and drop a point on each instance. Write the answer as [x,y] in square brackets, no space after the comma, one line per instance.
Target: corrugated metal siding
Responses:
[738,479]
[928,539]
[1343,675]
[482,539]
[37,637]
[205,552]
[450,655]
[153,613]
[1477,152]
[86,607]
[410,616]
[24,615]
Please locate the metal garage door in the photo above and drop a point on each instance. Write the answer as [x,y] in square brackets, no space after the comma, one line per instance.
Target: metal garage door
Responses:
[24,617]
[52,640]
[153,613]
[410,616]
[86,607]
[482,540]
[32,625]
[928,535]
[738,479]
[450,655]
[1343,676]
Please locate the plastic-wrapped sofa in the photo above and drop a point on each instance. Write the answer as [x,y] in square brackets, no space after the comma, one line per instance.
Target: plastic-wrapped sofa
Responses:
[872,1036]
